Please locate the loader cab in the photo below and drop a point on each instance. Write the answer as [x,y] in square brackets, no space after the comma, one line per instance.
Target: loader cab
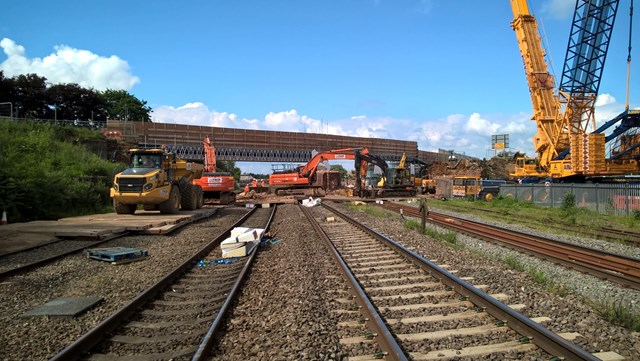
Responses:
[146,160]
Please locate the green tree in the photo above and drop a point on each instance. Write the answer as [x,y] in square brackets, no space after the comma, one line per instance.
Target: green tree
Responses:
[73,102]
[30,96]
[229,167]
[121,105]
[6,94]
[339,168]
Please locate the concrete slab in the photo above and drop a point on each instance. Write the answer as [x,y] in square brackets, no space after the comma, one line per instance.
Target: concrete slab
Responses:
[65,307]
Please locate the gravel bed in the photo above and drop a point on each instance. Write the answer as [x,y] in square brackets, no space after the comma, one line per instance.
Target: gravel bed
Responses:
[569,313]
[608,246]
[39,338]
[284,312]
[586,286]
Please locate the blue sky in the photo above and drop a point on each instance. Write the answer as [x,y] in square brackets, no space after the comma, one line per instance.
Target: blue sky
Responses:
[447,74]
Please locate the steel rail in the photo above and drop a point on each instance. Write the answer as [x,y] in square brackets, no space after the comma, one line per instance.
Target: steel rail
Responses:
[208,339]
[100,331]
[382,335]
[606,233]
[617,268]
[35,264]
[537,334]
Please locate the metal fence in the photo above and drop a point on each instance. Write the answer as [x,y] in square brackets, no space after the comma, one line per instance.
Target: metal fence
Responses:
[605,198]
[76,123]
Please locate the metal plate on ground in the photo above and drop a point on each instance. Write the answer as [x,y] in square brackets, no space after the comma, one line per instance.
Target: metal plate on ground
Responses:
[117,255]
[65,307]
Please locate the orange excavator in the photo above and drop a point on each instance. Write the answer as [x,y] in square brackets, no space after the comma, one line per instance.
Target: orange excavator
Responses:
[214,184]
[303,180]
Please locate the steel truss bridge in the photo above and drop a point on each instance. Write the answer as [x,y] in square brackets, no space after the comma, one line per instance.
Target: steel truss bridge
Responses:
[247,145]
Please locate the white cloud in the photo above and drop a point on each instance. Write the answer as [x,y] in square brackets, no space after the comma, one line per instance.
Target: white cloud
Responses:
[604,99]
[69,65]
[197,113]
[481,126]
[521,125]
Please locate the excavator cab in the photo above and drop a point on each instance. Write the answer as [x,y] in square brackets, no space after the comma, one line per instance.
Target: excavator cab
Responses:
[528,167]
[401,173]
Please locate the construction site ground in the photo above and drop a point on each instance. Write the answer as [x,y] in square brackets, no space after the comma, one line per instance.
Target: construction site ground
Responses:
[19,236]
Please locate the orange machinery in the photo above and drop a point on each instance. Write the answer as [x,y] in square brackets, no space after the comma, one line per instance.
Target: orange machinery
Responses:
[303,178]
[214,184]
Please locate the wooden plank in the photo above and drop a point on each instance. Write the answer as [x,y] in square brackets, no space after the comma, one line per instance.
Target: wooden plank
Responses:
[473,351]
[163,229]
[447,317]
[438,293]
[499,297]
[467,331]
[20,236]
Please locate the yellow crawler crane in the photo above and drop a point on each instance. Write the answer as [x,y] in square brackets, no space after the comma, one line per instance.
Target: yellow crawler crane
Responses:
[157,180]
[565,146]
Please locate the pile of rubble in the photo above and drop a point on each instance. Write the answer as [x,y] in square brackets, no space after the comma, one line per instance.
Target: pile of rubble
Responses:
[495,168]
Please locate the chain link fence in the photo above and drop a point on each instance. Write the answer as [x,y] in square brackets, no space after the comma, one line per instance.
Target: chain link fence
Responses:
[606,198]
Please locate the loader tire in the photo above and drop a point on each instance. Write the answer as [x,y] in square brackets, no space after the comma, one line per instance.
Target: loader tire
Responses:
[150,207]
[487,196]
[199,197]
[171,205]
[188,197]
[122,208]
[227,197]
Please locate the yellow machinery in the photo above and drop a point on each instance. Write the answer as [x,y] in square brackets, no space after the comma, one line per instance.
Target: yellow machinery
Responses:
[157,180]
[472,186]
[563,142]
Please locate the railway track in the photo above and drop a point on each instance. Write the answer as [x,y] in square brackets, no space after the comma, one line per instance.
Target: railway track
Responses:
[605,265]
[403,306]
[604,233]
[177,316]
[26,260]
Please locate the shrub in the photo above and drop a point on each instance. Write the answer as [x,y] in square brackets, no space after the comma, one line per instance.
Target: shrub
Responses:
[47,173]
[514,263]
[619,313]
[568,202]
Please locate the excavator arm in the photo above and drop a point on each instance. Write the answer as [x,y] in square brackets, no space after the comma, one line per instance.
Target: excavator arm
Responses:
[303,178]
[209,156]
[362,161]
[309,169]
